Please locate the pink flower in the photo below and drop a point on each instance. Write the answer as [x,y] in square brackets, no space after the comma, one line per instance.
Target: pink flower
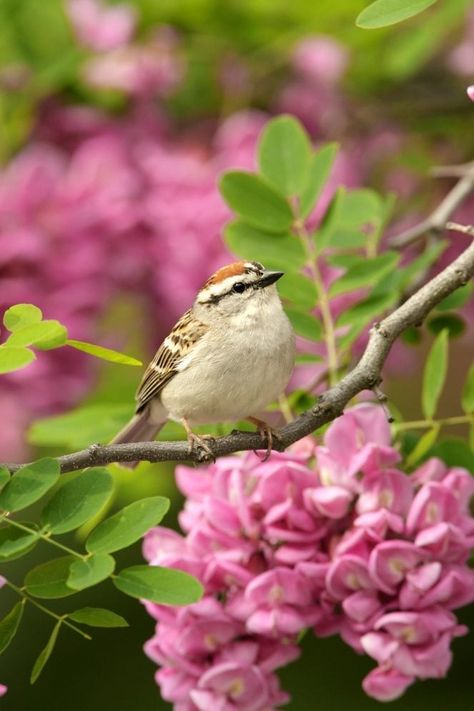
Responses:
[320,59]
[3,689]
[470,92]
[386,684]
[101,27]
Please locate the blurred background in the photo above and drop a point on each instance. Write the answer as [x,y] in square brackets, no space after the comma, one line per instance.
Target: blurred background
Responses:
[115,121]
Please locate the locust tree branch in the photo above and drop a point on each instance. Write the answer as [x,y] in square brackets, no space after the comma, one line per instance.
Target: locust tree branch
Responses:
[366,375]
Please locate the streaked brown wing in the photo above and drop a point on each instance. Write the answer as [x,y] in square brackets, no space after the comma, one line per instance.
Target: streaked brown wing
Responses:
[169,355]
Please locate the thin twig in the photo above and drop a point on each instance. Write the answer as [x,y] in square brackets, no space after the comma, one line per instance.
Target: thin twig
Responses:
[435,223]
[365,376]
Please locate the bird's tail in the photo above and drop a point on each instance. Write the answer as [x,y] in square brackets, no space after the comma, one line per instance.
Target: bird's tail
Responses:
[138,429]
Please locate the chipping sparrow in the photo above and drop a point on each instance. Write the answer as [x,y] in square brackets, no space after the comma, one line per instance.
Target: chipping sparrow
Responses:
[226,358]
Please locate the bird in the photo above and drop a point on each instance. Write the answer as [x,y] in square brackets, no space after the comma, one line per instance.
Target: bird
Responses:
[229,356]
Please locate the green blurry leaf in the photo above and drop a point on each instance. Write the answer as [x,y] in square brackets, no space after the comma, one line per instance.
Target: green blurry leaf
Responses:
[4,476]
[21,315]
[9,625]
[77,429]
[48,580]
[299,290]
[29,484]
[423,446]
[275,251]
[89,572]
[455,452]
[382,13]
[284,154]
[359,208]
[14,543]
[452,323]
[318,174]
[103,353]
[256,201]
[14,358]
[45,654]
[467,399]
[128,525]
[367,310]
[457,299]
[411,336]
[78,500]
[434,374]
[43,335]
[161,585]
[365,274]
[305,324]
[97,617]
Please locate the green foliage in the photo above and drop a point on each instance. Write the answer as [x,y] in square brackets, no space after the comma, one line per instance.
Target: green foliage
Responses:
[43,335]
[435,374]
[161,585]
[127,526]
[424,444]
[319,170]
[90,571]
[275,251]
[78,501]
[4,476]
[49,580]
[284,155]
[304,324]
[256,201]
[21,315]
[29,484]
[15,543]
[365,273]
[14,358]
[458,298]
[103,353]
[45,653]
[97,617]
[388,12]
[467,399]
[9,625]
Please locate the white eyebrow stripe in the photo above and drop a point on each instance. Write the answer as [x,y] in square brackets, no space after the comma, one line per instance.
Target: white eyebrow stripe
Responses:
[224,286]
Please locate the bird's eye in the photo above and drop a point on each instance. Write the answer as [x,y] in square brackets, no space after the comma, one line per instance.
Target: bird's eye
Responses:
[238,288]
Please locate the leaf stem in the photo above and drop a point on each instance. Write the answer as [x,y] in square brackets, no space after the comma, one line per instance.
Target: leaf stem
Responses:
[46,610]
[422,424]
[44,536]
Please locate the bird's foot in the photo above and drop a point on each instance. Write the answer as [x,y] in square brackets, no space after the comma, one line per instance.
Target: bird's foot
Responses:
[198,444]
[266,433]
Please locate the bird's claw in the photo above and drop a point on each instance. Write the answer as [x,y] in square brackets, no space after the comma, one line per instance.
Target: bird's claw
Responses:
[198,445]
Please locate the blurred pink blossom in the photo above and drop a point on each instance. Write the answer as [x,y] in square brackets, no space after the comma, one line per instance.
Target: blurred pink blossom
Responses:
[470,92]
[347,545]
[99,26]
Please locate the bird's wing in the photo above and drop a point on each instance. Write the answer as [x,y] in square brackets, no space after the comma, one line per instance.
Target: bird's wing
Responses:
[165,364]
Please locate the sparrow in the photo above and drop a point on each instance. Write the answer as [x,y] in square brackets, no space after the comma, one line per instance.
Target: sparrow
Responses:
[226,359]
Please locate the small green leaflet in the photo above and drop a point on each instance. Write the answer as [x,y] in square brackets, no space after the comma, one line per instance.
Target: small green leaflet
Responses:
[318,174]
[275,251]
[103,353]
[161,585]
[97,617]
[14,542]
[423,445]
[367,273]
[256,201]
[14,358]
[45,654]
[305,324]
[29,484]
[128,525]
[91,571]
[388,12]
[21,315]
[457,299]
[468,392]
[284,155]
[43,335]
[434,375]
[48,580]
[4,476]
[9,625]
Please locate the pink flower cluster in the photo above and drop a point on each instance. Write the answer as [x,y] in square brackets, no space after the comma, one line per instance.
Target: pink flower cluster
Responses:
[333,538]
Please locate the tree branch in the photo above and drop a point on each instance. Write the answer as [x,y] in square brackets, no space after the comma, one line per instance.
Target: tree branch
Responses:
[436,222]
[331,404]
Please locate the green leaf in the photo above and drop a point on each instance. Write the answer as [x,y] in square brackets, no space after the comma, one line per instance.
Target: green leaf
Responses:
[318,175]
[164,586]
[45,654]
[284,154]
[256,201]
[368,309]
[434,374]
[29,484]
[453,323]
[9,625]
[365,274]
[305,324]
[458,298]
[14,543]
[89,572]
[467,399]
[4,476]
[455,452]
[78,500]
[275,251]
[388,12]
[128,525]
[298,290]
[423,446]
[21,315]
[43,335]
[14,358]
[48,580]
[103,353]
[77,429]
[97,617]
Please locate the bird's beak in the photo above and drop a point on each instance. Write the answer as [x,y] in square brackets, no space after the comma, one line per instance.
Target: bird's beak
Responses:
[269,278]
